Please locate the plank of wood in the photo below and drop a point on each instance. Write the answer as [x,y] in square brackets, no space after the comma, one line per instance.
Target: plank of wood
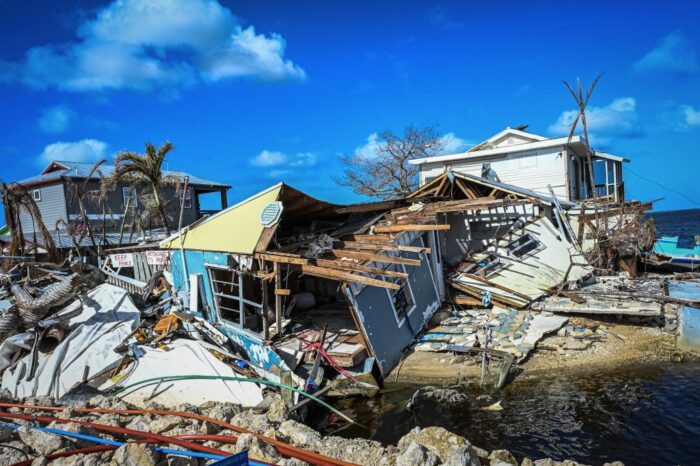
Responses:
[339,275]
[355,267]
[463,300]
[375,257]
[409,227]
[282,258]
[283,291]
[370,238]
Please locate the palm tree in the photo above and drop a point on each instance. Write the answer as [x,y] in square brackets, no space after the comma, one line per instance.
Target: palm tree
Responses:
[147,170]
[581,103]
[80,192]
[16,198]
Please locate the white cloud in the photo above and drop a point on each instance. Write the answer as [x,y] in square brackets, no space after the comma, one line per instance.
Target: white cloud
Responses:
[452,144]
[85,150]
[285,162]
[443,18]
[692,116]
[369,149]
[619,118]
[674,53]
[151,44]
[55,120]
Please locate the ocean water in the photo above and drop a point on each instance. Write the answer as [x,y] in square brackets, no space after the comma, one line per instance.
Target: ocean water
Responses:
[640,415]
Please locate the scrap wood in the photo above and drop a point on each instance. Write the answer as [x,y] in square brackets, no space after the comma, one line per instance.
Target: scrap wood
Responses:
[339,275]
[347,263]
[409,227]
[375,257]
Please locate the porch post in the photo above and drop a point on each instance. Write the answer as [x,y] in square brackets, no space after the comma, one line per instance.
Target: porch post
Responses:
[224,201]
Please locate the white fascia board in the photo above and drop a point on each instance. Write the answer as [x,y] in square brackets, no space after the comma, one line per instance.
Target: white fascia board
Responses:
[605,155]
[498,151]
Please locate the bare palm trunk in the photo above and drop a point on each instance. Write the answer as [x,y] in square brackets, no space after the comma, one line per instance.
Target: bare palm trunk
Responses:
[86,221]
[161,211]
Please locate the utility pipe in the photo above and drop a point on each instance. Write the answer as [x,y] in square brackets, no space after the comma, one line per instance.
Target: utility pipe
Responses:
[284,448]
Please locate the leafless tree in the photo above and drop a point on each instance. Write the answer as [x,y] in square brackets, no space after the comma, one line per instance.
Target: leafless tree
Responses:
[80,192]
[581,103]
[386,173]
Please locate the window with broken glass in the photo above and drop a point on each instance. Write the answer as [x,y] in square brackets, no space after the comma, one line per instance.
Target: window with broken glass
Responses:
[523,245]
[485,266]
[401,299]
[236,297]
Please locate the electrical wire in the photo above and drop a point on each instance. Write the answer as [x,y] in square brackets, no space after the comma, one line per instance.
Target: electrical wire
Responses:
[662,186]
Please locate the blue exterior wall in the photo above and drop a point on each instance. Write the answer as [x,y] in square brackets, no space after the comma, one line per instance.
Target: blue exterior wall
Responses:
[259,354]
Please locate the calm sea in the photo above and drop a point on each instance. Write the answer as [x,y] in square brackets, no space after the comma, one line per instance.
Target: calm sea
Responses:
[683,223]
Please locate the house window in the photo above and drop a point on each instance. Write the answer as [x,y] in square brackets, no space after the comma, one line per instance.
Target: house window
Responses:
[401,299]
[486,266]
[129,196]
[36,195]
[188,199]
[236,297]
[523,245]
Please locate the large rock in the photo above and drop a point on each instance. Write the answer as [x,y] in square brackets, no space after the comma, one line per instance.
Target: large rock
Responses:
[257,449]
[451,449]
[220,411]
[416,455]
[255,422]
[76,429]
[277,412]
[356,451]
[299,434]
[444,396]
[164,423]
[134,454]
[502,456]
[41,442]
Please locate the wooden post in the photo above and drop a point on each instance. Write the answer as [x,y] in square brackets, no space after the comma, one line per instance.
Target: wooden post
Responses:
[278,300]
[265,309]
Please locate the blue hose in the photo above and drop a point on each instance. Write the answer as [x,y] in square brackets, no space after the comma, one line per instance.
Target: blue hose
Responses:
[90,438]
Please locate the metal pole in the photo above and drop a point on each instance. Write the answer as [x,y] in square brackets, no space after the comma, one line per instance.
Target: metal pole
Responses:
[179,229]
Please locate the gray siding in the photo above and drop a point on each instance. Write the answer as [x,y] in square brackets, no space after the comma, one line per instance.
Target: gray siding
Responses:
[373,304]
[115,206]
[52,206]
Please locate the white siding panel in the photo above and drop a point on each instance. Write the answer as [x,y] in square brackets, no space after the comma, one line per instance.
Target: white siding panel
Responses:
[52,206]
[532,170]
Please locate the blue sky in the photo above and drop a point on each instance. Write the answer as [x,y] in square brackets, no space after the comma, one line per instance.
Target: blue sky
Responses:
[252,93]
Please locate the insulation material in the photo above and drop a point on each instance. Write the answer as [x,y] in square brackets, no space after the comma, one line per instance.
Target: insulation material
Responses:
[184,357]
[108,317]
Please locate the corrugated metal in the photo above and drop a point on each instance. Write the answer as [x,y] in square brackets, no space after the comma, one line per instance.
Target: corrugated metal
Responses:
[82,169]
[52,206]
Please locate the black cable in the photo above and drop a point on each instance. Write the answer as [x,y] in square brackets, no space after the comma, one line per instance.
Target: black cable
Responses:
[661,186]
[26,455]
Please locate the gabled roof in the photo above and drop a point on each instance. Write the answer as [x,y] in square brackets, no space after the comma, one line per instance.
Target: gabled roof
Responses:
[58,169]
[506,133]
[454,184]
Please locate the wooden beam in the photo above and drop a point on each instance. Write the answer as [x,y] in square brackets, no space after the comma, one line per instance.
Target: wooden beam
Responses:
[374,257]
[283,291]
[367,207]
[370,238]
[355,267]
[278,299]
[413,227]
[339,275]
[282,258]
[383,247]
[463,300]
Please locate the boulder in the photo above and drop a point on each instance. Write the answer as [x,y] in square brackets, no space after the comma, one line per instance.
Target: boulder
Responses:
[255,422]
[292,462]
[164,423]
[41,442]
[444,396]
[451,449]
[134,454]
[220,411]
[257,449]
[527,462]
[356,451]
[502,456]
[277,411]
[299,434]
[176,460]
[416,455]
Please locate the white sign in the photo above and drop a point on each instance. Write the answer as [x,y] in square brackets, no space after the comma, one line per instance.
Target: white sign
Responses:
[157,257]
[122,260]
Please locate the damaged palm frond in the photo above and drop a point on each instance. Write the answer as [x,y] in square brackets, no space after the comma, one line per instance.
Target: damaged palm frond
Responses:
[80,193]
[146,170]
[16,199]
[384,172]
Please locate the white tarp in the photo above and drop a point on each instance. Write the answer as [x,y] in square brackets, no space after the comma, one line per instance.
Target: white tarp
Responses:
[185,357]
[108,317]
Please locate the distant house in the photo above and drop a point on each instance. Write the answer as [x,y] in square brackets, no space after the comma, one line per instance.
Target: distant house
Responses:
[52,194]
[534,162]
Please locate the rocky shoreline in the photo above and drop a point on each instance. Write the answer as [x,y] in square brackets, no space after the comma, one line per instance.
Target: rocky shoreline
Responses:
[428,446]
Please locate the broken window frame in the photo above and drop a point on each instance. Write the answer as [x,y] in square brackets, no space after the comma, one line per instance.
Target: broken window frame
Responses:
[240,298]
[187,198]
[127,198]
[530,252]
[493,265]
[405,286]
